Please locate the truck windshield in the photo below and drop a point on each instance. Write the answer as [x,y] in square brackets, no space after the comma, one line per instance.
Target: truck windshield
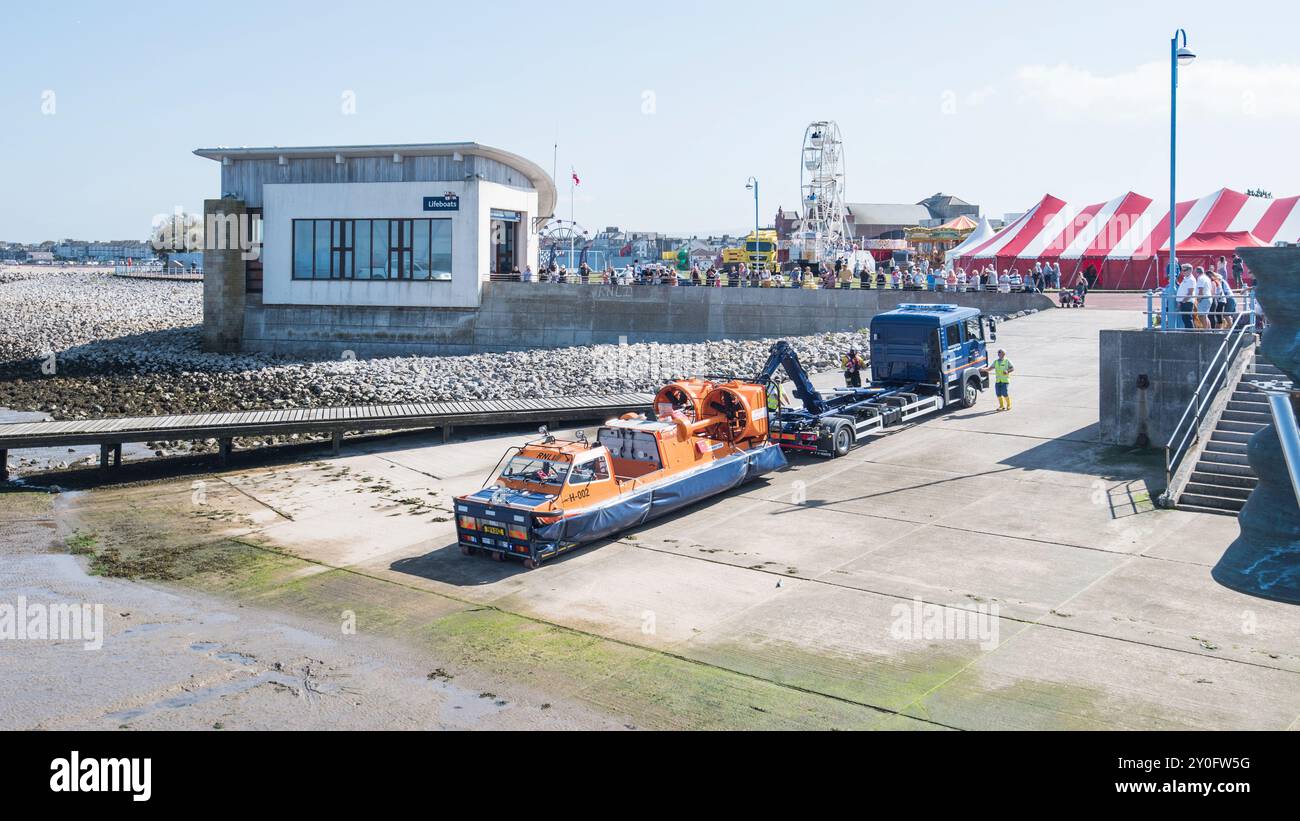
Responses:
[537,471]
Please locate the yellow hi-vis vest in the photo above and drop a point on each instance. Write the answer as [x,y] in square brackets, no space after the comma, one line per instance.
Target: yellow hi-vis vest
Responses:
[1002,370]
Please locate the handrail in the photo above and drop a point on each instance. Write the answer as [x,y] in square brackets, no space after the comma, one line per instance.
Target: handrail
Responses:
[1204,393]
[1279,402]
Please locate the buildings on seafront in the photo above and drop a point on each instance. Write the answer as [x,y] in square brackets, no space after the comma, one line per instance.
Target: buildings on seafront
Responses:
[354,236]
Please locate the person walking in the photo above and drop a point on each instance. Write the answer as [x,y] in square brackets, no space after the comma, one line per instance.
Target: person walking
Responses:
[1002,370]
[853,363]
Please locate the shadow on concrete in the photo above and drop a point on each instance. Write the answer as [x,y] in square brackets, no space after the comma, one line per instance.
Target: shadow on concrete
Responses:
[832,503]
[1081,452]
[448,565]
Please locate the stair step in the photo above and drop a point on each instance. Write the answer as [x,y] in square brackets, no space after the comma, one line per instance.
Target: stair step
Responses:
[1211,476]
[1260,418]
[1191,508]
[1214,502]
[1266,368]
[1252,385]
[1231,436]
[1233,426]
[1226,448]
[1221,491]
[1248,405]
[1226,463]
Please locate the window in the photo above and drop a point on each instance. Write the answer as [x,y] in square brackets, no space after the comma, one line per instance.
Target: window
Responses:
[322,254]
[597,470]
[974,330]
[952,335]
[383,249]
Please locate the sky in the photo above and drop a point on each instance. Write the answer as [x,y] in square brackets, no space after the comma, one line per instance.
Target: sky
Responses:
[664,109]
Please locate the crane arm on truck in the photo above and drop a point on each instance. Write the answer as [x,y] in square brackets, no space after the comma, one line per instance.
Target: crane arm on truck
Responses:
[782,355]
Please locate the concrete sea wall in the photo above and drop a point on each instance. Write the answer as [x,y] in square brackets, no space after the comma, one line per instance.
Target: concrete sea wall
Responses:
[1148,378]
[518,316]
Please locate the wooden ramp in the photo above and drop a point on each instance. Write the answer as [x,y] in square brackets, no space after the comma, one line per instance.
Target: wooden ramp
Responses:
[109,434]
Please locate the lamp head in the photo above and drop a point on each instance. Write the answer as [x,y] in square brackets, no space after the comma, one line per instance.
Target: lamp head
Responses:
[1185,56]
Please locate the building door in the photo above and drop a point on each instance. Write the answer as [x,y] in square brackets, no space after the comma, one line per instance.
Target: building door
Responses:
[505,225]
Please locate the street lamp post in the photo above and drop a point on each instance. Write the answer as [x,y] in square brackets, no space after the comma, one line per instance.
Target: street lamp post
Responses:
[1178,55]
[752,182]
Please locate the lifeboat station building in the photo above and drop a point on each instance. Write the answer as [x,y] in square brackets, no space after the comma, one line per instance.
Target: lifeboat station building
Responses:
[377,250]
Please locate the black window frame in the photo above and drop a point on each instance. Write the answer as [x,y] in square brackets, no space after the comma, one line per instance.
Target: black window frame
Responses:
[400,257]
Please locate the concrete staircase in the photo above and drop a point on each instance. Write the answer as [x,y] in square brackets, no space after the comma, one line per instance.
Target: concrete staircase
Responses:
[1222,479]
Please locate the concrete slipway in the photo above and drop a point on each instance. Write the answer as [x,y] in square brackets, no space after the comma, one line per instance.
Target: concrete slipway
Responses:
[770,607]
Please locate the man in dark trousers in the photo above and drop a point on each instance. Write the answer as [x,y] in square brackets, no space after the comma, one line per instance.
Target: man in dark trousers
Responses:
[853,364]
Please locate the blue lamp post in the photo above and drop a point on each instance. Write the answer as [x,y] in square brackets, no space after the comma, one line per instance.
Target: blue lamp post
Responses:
[1179,55]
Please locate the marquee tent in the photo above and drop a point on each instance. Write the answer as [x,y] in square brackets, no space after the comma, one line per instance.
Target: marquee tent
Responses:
[1124,242]
[983,233]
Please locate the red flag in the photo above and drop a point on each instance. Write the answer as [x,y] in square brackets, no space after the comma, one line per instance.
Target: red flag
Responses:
[576,181]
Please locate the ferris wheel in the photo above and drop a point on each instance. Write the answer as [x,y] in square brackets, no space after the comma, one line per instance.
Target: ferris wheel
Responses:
[562,242]
[823,230]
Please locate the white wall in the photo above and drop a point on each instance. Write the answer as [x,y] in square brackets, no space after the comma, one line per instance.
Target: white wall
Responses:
[470,238]
[495,195]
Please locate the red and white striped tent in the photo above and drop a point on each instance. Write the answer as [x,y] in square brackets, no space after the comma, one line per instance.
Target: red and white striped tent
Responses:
[1125,241]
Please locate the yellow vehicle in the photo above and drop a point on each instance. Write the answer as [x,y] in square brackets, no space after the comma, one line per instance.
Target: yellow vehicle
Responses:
[756,253]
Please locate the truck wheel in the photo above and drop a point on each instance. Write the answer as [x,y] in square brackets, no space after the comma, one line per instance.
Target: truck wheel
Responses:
[466,550]
[842,439]
[497,556]
[969,394]
[531,564]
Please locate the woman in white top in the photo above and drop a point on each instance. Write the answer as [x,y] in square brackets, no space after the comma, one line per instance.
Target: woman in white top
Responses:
[1004,282]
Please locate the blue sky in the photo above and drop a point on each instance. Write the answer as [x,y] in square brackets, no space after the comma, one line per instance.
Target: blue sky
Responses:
[997,102]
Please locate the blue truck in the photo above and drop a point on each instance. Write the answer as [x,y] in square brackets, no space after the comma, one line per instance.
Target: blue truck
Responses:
[924,358]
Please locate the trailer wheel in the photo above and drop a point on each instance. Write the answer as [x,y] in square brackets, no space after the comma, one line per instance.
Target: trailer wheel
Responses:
[532,564]
[969,394]
[842,439]
[466,550]
[497,556]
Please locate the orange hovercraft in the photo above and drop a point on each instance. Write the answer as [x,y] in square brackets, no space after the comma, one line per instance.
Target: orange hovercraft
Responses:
[552,495]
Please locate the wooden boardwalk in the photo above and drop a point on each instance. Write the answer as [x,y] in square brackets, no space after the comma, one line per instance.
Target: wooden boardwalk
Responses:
[109,434]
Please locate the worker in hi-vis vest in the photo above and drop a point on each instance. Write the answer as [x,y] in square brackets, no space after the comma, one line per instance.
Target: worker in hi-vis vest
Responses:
[1002,370]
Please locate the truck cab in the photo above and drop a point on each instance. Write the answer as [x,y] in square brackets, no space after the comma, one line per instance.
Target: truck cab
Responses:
[941,346]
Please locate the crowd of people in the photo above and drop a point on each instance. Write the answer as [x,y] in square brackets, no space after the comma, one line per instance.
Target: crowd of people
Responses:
[839,274]
[1203,299]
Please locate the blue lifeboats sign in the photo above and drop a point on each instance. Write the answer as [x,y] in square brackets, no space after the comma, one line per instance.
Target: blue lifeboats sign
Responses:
[447,202]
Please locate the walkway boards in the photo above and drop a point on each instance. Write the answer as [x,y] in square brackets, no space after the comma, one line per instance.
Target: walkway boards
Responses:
[111,433]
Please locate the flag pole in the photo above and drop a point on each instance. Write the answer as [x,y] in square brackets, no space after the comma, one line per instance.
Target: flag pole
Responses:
[572,224]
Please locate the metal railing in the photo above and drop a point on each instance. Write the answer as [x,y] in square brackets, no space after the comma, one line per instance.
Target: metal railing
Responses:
[731,280]
[1163,319]
[1188,429]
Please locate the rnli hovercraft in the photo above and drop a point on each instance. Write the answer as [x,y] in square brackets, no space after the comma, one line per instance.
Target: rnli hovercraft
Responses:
[552,495]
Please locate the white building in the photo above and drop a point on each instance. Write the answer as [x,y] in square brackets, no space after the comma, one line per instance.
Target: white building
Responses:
[380,226]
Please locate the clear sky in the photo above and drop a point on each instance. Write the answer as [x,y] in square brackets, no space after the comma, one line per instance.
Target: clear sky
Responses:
[663,108]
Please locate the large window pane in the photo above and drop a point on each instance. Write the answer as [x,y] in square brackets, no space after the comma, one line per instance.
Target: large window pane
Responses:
[440,245]
[379,250]
[420,250]
[302,249]
[322,245]
[362,228]
[397,249]
[341,248]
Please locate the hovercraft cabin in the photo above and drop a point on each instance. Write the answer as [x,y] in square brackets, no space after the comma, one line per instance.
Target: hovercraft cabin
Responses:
[380,250]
